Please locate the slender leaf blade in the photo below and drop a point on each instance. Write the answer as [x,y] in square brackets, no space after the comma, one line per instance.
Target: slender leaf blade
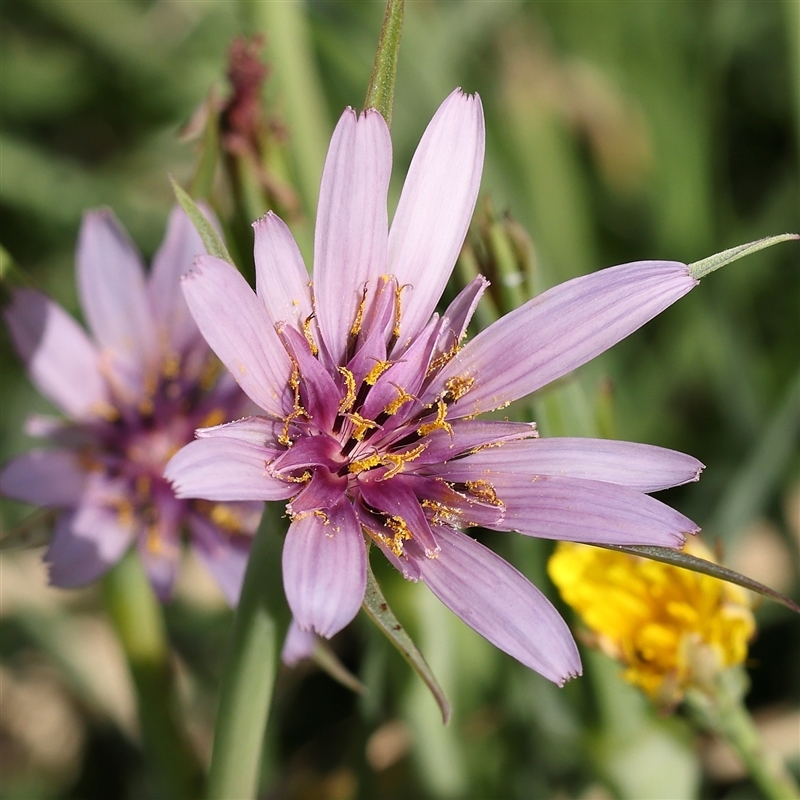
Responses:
[378,610]
[677,558]
[211,239]
[708,265]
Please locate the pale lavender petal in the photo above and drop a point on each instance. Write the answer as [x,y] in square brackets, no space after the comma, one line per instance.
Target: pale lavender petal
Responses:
[352,222]
[282,281]
[224,555]
[501,604]
[638,466]
[111,284]
[225,469]
[44,478]
[458,315]
[236,325]
[87,542]
[436,207]
[298,645]
[181,245]
[325,570]
[255,430]
[60,358]
[586,511]
[558,331]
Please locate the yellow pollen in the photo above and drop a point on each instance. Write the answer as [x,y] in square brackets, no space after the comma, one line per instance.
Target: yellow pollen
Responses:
[363,464]
[443,514]
[399,460]
[124,513]
[106,411]
[402,398]
[439,423]
[441,360]
[214,417]
[306,476]
[400,533]
[211,370]
[396,330]
[154,543]
[225,517]
[171,367]
[362,425]
[358,321]
[457,387]
[143,484]
[350,385]
[376,372]
[310,336]
[146,407]
[484,491]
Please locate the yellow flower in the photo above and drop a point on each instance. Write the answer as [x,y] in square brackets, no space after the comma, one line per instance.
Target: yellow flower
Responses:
[672,628]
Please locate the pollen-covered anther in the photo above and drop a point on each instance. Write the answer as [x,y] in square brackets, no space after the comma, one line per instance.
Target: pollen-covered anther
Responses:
[309,335]
[304,478]
[402,398]
[484,491]
[224,516]
[440,423]
[457,387]
[350,390]
[361,425]
[440,361]
[400,533]
[355,329]
[372,376]
[284,437]
[397,461]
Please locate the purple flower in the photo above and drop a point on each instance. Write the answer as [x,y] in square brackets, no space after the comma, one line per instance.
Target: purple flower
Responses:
[132,395]
[370,399]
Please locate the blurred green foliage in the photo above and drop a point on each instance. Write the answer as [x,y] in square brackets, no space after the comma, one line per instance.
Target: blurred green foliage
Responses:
[616,131]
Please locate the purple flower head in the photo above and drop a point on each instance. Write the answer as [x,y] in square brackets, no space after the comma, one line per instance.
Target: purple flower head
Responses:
[132,394]
[370,398]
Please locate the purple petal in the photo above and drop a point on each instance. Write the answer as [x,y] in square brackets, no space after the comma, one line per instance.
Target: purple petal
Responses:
[394,498]
[60,358]
[558,331]
[637,466]
[236,325]
[352,223]
[325,570]
[44,478]
[111,284]
[225,469]
[501,604]
[181,245]
[323,491]
[223,554]
[87,542]
[282,280]
[255,430]
[298,645]
[458,314]
[436,207]
[586,511]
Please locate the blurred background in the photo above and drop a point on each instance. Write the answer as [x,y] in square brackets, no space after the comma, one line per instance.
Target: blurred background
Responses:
[616,131]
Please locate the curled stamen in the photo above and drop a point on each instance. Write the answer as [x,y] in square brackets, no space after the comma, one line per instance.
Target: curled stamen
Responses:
[439,423]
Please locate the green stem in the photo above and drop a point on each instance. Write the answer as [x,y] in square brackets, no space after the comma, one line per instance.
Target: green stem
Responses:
[139,622]
[380,94]
[249,678]
[725,715]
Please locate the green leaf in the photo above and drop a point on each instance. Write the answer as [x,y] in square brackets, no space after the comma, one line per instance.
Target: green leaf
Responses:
[324,657]
[211,239]
[379,612]
[380,94]
[203,181]
[708,265]
[678,558]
